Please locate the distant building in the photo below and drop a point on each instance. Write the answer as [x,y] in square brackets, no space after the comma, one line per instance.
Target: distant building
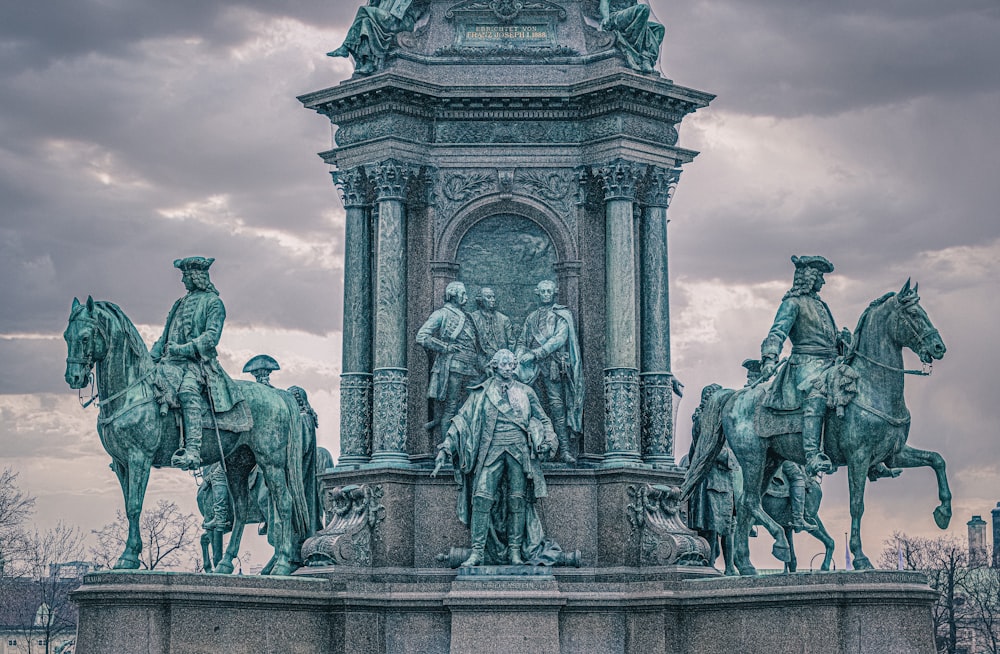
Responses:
[36,614]
[996,536]
[978,550]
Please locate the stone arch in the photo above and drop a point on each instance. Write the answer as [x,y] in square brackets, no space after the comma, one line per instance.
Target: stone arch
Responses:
[564,266]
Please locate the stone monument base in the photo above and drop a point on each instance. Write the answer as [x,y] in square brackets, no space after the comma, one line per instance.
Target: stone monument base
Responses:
[571,611]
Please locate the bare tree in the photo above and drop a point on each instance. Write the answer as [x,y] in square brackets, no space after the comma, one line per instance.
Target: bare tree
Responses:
[169,539]
[981,588]
[45,613]
[945,562]
[15,509]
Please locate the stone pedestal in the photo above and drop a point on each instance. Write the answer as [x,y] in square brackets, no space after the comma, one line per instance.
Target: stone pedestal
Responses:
[342,610]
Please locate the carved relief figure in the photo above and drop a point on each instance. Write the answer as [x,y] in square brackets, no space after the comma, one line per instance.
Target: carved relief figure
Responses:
[496,443]
[637,36]
[373,33]
[449,333]
[805,320]
[549,357]
[188,360]
[493,328]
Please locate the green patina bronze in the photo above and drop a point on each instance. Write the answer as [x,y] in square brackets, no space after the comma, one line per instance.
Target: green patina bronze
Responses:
[496,443]
[139,429]
[637,37]
[864,420]
[373,33]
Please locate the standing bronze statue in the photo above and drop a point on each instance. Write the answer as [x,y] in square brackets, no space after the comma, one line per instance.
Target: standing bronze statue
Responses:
[549,357]
[493,328]
[805,320]
[451,336]
[712,504]
[188,360]
[496,443]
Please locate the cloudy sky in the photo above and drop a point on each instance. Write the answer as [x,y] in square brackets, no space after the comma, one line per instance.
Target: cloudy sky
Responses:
[133,132]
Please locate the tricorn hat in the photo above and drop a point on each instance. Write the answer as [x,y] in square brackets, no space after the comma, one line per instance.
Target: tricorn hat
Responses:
[261,362]
[752,365]
[193,263]
[821,264]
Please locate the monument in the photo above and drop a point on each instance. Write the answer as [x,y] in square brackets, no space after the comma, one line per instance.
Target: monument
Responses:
[523,153]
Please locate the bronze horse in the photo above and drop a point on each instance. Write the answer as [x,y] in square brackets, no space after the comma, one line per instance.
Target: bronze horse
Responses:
[869,436]
[138,437]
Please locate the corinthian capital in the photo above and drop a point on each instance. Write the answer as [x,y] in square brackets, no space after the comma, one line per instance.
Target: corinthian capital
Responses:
[660,186]
[353,186]
[390,179]
[619,178]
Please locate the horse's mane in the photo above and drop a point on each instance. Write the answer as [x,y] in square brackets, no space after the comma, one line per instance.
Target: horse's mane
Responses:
[133,340]
[863,321]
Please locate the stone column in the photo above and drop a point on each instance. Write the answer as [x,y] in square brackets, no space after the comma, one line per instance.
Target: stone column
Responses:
[390,381]
[621,374]
[356,376]
[656,378]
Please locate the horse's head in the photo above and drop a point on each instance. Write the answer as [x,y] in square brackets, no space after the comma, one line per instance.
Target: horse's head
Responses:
[86,343]
[912,328]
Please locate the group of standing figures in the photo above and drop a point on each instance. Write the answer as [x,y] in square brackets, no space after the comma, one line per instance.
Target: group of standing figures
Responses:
[547,350]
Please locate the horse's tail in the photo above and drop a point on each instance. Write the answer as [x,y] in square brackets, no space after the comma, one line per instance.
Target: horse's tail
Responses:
[294,452]
[708,441]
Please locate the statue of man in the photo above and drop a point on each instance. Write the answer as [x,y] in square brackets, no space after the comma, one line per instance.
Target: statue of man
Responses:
[806,320]
[450,334]
[188,360]
[550,358]
[495,442]
[374,31]
[712,507]
[215,487]
[493,328]
[638,37]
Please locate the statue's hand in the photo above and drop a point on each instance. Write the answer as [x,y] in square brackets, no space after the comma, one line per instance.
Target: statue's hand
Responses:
[527,357]
[439,462]
[767,369]
[186,350]
[453,348]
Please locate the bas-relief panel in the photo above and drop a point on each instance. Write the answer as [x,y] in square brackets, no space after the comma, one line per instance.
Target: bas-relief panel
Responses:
[510,254]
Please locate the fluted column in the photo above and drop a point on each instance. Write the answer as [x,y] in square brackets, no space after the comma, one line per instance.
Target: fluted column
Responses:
[656,378]
[390,379]
[621,375]
[356,375]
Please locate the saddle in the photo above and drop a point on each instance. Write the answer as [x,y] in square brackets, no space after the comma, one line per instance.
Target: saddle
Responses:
[838,384]
[237,418]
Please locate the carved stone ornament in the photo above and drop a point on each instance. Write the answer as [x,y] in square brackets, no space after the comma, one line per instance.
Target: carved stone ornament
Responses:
[619,179]
[506,10]
[660,186]
[621,402]
[353,186]
[655,512]
[391,179]
[657,415]
[390,410]
[354,512]
[355,414]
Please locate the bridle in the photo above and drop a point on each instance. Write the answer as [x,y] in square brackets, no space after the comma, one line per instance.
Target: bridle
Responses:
[88,359]
[923,337]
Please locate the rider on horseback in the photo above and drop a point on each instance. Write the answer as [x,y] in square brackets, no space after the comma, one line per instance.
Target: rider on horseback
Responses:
[187,357]
[806,320]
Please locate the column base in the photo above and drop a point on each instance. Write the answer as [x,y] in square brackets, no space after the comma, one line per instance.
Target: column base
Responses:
[389,418]
[621,417]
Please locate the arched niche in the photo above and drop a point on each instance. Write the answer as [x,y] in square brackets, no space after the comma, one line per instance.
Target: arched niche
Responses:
[510,244]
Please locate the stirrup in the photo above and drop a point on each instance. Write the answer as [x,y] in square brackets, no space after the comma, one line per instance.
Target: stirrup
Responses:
[819,462]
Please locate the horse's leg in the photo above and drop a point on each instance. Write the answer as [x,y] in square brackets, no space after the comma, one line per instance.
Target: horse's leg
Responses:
[793,563]
[857,475]
[281,526]
[216,547]
[780,550]
[823,536]
[206,553]
[911,457]
[137,474]
[236,477]
[727,554]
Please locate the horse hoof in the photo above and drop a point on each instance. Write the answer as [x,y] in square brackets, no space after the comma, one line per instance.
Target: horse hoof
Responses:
[781,552]
[127,563]
[942,516]
[282,570]
[224,568]
[862,563]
